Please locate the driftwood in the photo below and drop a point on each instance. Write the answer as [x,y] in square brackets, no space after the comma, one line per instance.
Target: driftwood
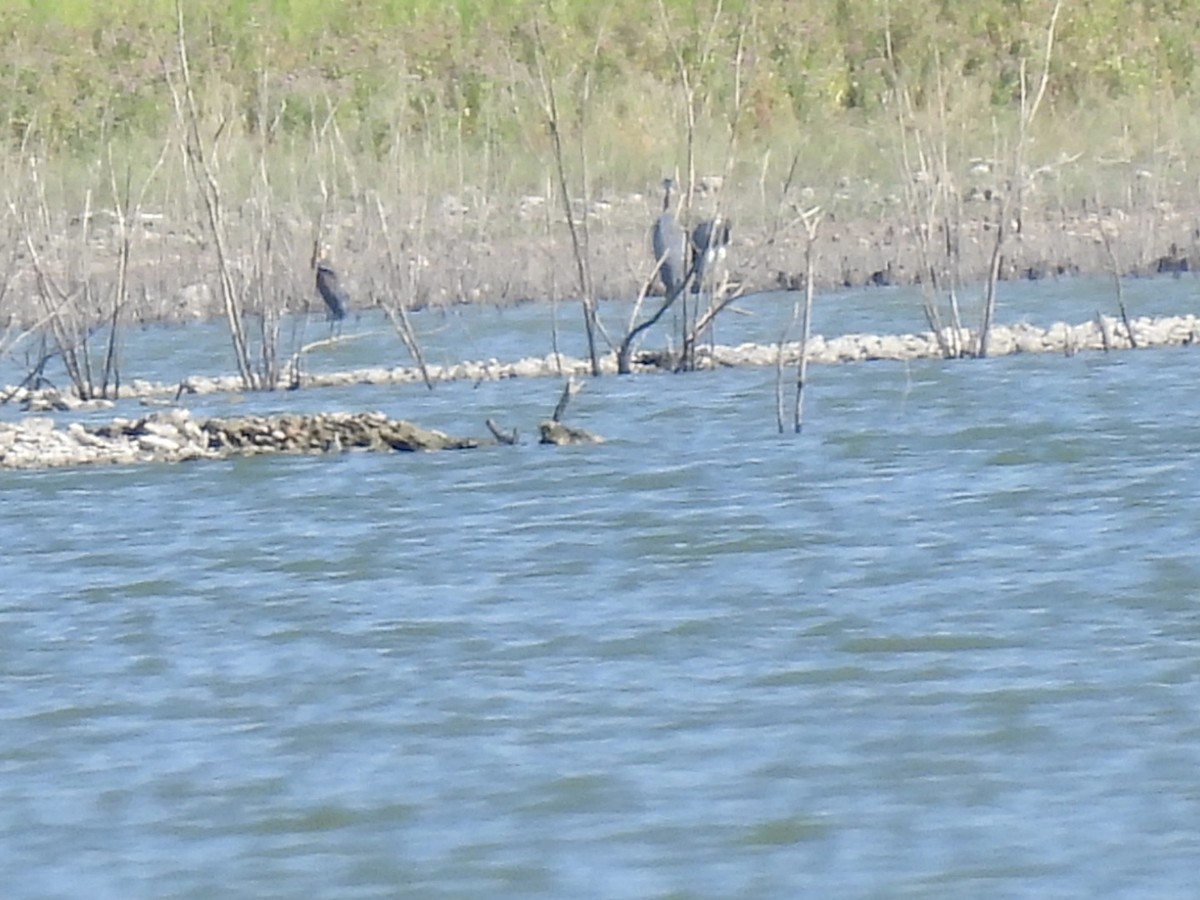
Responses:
[557,433]
[553,431]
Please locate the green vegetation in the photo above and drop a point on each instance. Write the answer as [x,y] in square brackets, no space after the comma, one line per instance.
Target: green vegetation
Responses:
[458,80]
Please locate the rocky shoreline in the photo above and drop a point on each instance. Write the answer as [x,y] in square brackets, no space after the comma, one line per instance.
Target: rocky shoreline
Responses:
[173,435]
[1101,333]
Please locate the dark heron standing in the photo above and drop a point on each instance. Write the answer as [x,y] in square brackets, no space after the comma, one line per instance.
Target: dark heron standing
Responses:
[670,244]
[330,288]
[709,240]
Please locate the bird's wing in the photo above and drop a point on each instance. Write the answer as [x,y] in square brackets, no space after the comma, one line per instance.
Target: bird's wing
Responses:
[329,277]
[331,292]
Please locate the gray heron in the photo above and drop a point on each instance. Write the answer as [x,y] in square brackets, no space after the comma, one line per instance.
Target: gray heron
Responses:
[709,240]
[670,244]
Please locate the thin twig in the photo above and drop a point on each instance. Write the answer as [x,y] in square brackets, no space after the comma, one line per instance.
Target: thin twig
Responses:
[1115,271]
[811,225]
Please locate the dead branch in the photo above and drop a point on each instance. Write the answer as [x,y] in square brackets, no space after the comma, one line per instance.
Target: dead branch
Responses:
[1115,272]
[570,389]
[294,364]
[502,436]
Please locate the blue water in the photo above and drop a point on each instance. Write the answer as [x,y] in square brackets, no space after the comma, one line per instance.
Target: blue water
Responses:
[945,643]
[453,334]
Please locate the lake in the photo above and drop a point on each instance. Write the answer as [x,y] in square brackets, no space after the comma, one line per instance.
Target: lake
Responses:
[944,643]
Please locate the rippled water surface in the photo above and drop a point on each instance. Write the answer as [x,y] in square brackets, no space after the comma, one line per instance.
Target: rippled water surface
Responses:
[945,643]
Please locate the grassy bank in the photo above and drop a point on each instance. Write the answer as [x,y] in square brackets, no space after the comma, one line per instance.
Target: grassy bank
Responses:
[418,75]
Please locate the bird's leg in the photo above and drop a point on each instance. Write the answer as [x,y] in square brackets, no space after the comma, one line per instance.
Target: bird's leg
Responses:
[683,347]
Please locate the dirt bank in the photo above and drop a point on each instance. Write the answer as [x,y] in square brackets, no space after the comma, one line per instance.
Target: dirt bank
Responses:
[501,255]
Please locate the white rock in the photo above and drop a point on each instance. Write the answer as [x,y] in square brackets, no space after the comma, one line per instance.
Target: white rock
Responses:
[157,444]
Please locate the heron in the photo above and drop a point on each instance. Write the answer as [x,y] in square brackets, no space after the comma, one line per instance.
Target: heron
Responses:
[709,240]
[670,244]
[329,287]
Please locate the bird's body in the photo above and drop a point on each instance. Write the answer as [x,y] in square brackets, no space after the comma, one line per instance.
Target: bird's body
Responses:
[329,286]
[670,245]
[330,289]
[709,240]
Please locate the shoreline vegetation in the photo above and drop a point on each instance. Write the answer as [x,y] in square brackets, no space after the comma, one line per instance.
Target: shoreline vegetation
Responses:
[172,161]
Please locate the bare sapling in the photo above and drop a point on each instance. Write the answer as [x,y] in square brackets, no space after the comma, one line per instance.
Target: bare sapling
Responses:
[270,249]
[1114,270]
[61,304]
[397,310]
[21,335]
[931,201]
[130,222]
[121,201]
[201,167]
[812,221]
[689,99]
[74,311]
[8,271]
[1013,200]
[1106,338]
[548,226]
[578,229]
